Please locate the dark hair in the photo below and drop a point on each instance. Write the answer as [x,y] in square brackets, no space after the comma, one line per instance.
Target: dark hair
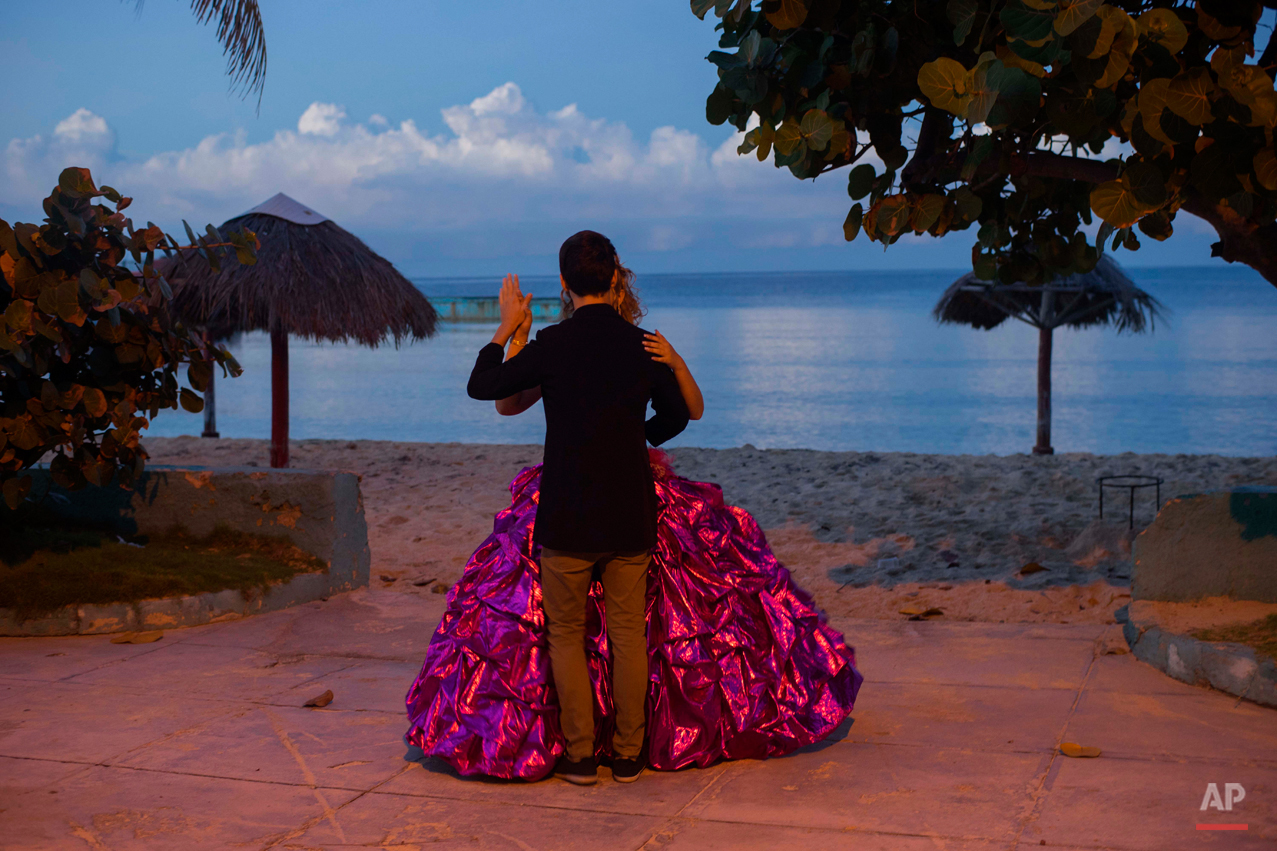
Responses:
[588,263]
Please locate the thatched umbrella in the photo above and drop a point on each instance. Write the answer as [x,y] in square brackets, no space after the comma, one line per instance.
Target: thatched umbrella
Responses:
[1103,296]
[312,279]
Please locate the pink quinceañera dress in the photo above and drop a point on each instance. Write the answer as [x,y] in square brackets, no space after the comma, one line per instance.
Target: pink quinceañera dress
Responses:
[742,664]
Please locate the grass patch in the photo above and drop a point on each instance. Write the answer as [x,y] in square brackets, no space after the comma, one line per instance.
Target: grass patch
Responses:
[50,564]
[1261,635]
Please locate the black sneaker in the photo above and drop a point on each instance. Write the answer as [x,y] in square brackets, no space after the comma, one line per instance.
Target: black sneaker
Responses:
[582,772]
[626,770]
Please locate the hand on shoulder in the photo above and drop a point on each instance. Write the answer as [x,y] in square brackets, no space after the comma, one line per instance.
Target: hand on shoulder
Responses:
[661,350]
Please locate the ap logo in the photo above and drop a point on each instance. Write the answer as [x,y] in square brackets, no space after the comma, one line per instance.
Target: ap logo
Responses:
[1233,793]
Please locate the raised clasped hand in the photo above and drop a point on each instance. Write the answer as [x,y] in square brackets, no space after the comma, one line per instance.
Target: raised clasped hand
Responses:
[515,309]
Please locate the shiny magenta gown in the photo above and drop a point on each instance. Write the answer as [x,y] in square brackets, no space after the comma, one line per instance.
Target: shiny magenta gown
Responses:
[742,664]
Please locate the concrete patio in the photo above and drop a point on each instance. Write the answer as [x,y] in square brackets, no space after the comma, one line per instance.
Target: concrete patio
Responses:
[200,740]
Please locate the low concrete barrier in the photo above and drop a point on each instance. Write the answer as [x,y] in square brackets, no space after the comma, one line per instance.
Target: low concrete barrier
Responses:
[319,512]
[1208,560]
[1222,543]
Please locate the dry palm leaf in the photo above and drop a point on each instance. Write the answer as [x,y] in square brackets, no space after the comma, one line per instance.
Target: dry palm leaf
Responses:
[320,700]
[1077,751]
[138,637]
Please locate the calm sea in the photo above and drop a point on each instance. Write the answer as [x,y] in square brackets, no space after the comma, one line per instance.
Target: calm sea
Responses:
[832,360]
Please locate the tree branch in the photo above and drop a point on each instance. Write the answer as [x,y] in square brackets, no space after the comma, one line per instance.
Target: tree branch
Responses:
[1256,248]
[1047,164]
[936,125]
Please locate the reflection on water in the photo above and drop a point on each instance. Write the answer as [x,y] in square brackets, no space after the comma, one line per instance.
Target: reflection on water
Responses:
[833,361]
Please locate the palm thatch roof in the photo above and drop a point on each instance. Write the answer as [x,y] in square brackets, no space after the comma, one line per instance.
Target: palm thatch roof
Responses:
[1103,296]
[312,279]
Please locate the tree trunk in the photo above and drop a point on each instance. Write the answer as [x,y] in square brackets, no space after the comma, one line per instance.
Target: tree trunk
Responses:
[279,397]
[1043,446]
[1239,242]
[210,407]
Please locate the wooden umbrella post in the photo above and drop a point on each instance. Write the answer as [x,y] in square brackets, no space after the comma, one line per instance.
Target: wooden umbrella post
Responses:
[210,407]
[1043,446]
[279,397]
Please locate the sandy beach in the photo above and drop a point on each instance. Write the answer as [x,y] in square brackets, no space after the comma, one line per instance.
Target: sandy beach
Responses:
[961,528]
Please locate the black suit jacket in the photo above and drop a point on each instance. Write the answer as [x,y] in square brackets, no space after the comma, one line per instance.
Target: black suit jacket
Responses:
[596,379]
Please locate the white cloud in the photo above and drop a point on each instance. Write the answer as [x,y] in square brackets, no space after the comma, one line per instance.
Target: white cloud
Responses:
[501,172]
[321,119]
[82,126]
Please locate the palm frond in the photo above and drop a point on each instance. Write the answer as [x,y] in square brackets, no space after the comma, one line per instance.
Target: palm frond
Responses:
[243,40]
[1103,296]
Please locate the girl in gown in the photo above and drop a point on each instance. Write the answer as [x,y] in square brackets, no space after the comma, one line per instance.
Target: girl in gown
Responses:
[741,662]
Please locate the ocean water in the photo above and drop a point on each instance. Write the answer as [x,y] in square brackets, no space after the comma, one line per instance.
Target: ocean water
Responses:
[831,360]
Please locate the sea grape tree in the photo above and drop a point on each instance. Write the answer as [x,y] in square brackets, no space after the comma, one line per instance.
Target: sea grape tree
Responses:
[89,349]
[994,115]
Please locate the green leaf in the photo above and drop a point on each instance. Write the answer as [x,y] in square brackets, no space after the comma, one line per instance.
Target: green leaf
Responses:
[968,203]
[1146,182]
[985,267]
[23,433]
[16,490]
[1212,174]
[700,7]
[976,154]
[817,129]
[76,182]
[926,211]
[946,84]
[787,14]
[1019,94]
[1026,24]
[719,107]
[1105,231]
[1073,13]
[961,13]
[1157,225]
[1163,27]
[851,226]
[94,401]
[789,136]
[1115,203]
[199,373]
[1188,96]
[190,401]
[895,157]
[1266,169]
[860,181]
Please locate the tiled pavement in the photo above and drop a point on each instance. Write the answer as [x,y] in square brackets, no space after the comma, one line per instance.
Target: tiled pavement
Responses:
[200,741]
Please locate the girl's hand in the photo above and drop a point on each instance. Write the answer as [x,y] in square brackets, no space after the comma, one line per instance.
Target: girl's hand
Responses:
[661,350]
[525,328]
[515,309]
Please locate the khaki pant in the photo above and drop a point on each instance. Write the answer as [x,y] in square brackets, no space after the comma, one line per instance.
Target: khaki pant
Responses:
[565,584]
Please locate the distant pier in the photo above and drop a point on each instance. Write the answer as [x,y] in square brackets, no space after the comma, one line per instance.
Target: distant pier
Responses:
[486,309]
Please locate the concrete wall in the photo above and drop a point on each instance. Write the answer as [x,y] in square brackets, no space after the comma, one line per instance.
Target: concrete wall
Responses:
[319,512]
[1222,543]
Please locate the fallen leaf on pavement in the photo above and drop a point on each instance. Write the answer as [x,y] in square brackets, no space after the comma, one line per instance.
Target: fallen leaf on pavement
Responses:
[322,700]
[385,577]
[422,582]
[921,612]
[1031,567]
[1075,750]
[138,637]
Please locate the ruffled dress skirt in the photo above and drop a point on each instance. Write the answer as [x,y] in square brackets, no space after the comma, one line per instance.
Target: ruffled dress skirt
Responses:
[742,664]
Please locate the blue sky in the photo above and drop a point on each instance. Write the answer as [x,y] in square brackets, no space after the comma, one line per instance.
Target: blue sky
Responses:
[454,138]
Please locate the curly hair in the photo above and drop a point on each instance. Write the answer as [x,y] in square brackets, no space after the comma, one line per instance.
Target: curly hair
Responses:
[588,258]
